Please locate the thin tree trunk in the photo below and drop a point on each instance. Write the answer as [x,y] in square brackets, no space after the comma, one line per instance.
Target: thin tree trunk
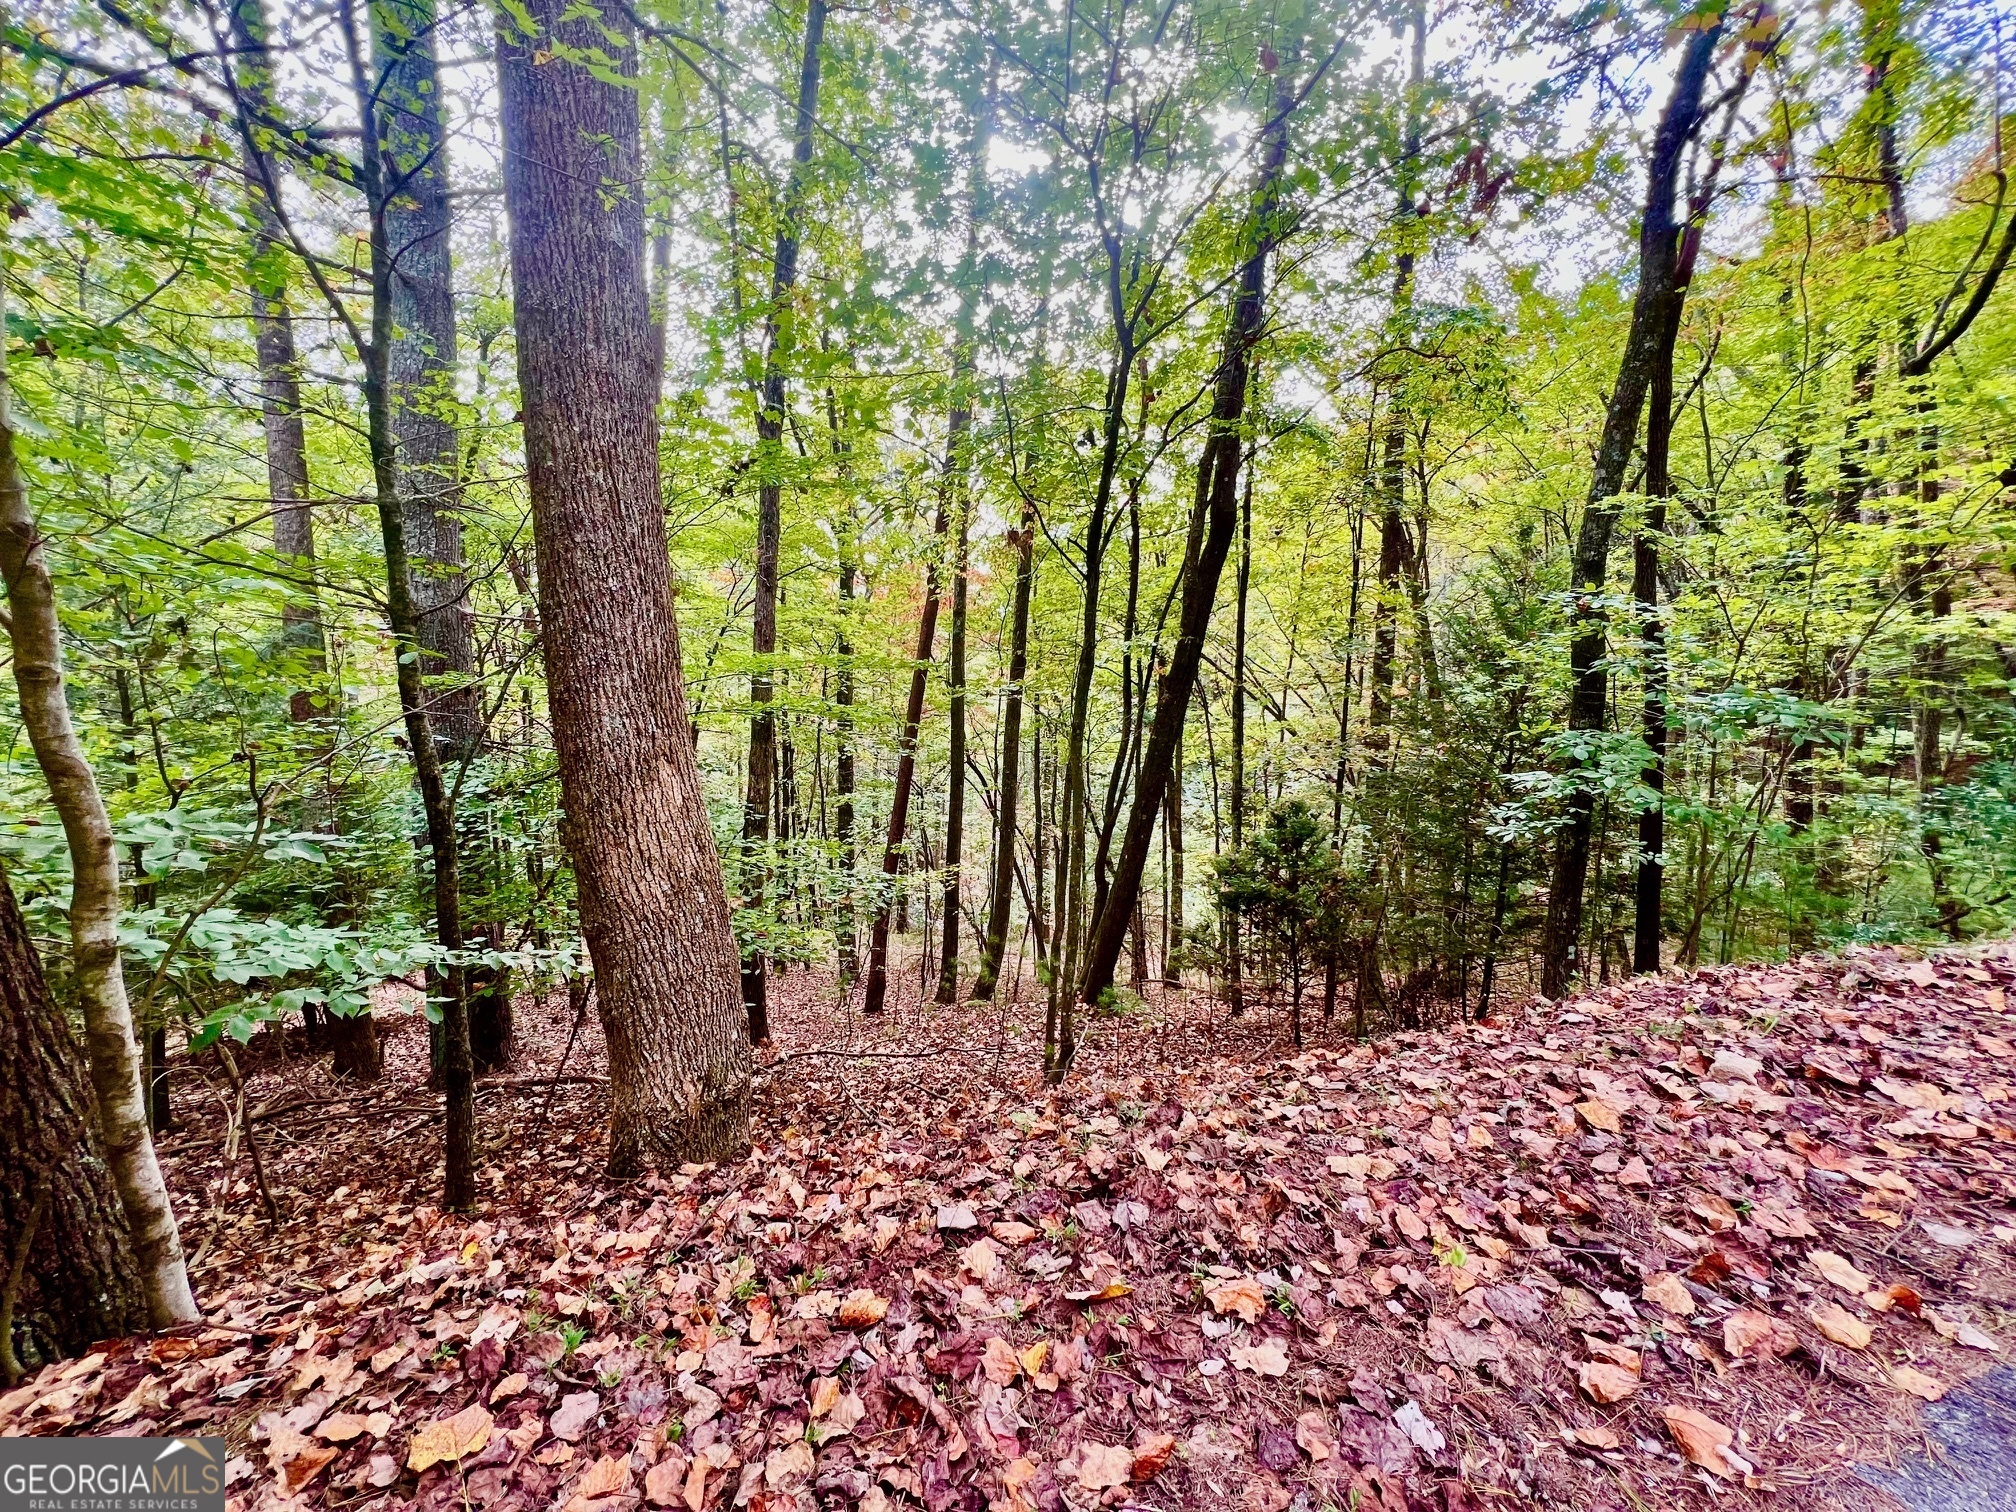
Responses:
[955,767]
[877,985]
[1213,516]
[846,946]
[1172,830]
[653,906]
[1235,954]
[1658,250]
[843,759]
[81,1282]
[951,497]
[1011,756]
[378,159]
[36,638]
[778,325]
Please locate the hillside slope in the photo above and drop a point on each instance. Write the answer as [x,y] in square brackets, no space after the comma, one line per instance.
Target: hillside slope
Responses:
[1695,1240]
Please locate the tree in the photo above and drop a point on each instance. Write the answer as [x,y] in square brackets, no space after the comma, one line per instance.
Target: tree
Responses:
[36,637]
[1658,255]
[59,1205]
[1212,518]
[772,401]
[1282,885]
[653,905]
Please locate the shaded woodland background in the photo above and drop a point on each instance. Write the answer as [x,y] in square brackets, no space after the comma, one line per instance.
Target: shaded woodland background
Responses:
[1369,508]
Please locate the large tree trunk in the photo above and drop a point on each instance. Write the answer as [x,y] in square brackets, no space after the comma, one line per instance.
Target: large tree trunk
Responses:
[1213,516]
[81,1282]
[1650,884]
[36,638]
[1658,249]
[773,399]
[1393,546]
[420,366]
[653,906]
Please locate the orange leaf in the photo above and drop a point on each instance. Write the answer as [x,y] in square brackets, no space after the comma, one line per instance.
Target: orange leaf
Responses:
[1919,1384]
[863,1309]
[1840,1325]
[1701,1439]
[1242,1296]
[1151,1453]
[453,1438]
[1757,1335]
[1607,1383]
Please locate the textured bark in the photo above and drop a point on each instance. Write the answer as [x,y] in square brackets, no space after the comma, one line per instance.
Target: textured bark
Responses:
[354,1048]
[653,907]
[420,367]
[94,891]
[1213,517]
[1658,249]
[81,1282]
[772,402]
[279,365]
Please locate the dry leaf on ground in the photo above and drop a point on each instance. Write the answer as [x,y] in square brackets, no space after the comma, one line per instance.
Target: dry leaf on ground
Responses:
[1701,1439]
[1840,1325]
[451,1438]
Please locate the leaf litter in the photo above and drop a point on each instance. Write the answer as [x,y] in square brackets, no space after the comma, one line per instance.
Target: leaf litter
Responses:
[1701,1238]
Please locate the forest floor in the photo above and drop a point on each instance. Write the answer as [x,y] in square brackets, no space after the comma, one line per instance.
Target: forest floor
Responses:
[1695,1241]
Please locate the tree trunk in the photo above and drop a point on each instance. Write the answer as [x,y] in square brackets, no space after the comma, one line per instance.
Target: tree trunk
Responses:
[420,364]
[81,1282]
[877,986]
[653,906]
[1650,884]
[843,759]
[279,366]
[36,637]
[355,1050]
[1235,953]
[955,773]
[1658,249]
[1213,516]
[951,496]
[1172,831]
[996,944]
[773,401]
[379,176]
